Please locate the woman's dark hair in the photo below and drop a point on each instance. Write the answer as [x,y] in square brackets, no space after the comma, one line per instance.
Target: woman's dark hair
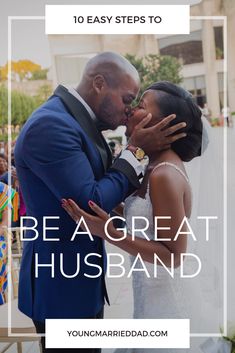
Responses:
[173,99]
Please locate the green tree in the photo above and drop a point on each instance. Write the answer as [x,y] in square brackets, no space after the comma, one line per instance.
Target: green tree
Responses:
[22,107]
[24,70]
[39,75]
[3,105]
[43,93]
[153,68]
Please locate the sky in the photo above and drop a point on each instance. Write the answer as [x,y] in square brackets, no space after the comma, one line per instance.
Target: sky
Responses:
[28,36]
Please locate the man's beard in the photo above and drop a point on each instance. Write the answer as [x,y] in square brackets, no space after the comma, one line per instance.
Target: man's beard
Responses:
[106,115]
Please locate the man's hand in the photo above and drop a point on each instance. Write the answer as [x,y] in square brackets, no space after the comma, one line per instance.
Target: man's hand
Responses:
[157,137]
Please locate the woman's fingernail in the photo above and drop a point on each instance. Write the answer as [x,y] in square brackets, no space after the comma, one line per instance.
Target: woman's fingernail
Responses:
[184,124]
[90,203]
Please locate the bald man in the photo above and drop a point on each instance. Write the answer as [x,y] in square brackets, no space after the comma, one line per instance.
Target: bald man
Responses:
[61,153]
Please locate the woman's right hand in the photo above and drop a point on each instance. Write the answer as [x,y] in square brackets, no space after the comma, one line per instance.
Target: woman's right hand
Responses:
[158,137]
[95,223]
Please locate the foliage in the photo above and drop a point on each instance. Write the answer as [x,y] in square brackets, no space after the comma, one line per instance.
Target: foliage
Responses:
[39,74]
[232,340]
[5,137]
[43,93]
[153,68]
[3,105]
[21,106]
[219,53]
[22,69]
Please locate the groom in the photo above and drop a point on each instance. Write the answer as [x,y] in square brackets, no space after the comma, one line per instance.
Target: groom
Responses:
[61,153]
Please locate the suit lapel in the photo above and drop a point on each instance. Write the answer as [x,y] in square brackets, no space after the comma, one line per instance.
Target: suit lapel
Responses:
[79,112]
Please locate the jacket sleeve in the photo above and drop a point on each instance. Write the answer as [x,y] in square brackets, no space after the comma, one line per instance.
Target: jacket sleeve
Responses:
[54,152]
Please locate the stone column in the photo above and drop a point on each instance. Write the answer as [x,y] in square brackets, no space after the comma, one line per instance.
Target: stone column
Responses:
[209,56]
[148,44]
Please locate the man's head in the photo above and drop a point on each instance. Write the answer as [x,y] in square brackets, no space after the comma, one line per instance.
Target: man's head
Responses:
[109,85]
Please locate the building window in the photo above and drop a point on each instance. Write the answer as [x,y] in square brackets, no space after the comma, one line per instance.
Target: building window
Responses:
[219,43]
[197,87]
[187,48]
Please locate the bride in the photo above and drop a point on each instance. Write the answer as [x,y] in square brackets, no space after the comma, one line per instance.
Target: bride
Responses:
[165,191]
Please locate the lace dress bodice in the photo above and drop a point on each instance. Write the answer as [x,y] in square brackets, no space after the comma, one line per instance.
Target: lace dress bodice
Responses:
[161,297]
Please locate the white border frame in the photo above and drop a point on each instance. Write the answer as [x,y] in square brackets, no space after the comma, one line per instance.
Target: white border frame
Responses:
[225,166]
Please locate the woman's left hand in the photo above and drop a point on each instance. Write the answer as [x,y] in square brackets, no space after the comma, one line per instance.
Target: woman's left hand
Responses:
[95,224]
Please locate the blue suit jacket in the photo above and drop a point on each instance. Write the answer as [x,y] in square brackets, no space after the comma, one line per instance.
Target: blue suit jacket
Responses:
[60,154]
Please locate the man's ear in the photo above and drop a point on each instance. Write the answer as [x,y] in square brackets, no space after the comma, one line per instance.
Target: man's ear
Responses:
[99,83]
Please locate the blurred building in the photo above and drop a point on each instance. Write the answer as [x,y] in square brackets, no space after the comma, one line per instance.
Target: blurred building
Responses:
[201,53]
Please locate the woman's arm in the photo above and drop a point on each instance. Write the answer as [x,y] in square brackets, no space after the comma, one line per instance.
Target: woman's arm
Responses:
[167,200]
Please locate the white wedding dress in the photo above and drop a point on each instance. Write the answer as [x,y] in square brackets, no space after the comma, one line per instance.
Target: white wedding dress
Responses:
[163,297]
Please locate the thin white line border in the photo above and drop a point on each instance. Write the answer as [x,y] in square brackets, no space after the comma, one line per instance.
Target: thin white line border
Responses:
[225,166]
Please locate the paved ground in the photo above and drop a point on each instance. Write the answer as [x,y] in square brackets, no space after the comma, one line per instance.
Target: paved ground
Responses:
[120,289]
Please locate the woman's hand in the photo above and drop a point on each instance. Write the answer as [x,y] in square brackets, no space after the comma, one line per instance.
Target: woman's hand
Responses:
[162,134]
[95,224]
